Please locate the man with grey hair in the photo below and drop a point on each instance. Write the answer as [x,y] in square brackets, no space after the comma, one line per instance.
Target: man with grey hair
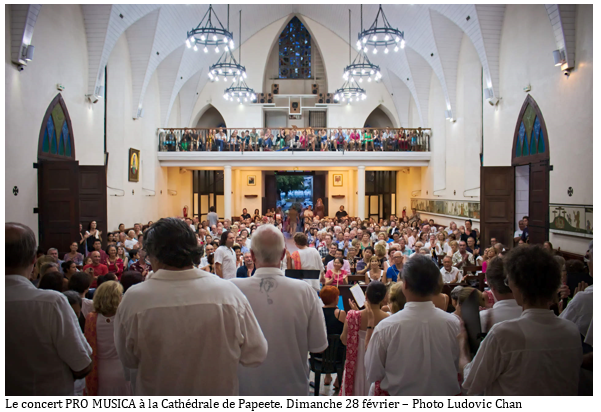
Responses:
[45,348]
[290,315]
[54,253]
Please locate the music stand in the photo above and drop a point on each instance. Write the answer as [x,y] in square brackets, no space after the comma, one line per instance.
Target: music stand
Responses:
[302,274]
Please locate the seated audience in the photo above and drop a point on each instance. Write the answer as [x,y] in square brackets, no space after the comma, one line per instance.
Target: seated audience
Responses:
[46,349]
[394,271]
[74,255]
[336,275]
[360,323]
[164,348]
[248,268]
[96,268]
[401,342]
[450,274]
[107,377]
[290,316]
[535,354]
[505,307]
[375,272]
[462,257]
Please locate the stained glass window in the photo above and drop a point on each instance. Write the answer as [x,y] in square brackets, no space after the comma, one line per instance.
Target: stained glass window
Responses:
[295,51]
[531,138]
[56,137]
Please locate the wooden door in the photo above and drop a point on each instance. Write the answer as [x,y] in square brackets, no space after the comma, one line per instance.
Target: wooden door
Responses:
[58,206]
[538,208]
[92,198]
[271,193]
[497,204]
[319,190]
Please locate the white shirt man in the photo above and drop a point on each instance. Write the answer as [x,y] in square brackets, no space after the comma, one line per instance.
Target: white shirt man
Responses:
[452,275]
[311,260]
[580,310]
[415,351]
[291,318]
[131,241]
[502,310]
[225,257]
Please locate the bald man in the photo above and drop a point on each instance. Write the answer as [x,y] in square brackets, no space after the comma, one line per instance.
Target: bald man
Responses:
[290,315]
[45,348]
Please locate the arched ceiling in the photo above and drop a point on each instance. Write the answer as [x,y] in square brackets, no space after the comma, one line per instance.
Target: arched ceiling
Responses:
[156,35]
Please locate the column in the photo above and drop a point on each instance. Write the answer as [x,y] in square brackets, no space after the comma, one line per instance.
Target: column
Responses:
[227,191]
[361,191]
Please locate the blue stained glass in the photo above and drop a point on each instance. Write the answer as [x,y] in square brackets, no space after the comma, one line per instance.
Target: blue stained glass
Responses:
[521,138]
[45,142]
[51,135]
[541,142]
[66,139]
[535,137]
[294,44]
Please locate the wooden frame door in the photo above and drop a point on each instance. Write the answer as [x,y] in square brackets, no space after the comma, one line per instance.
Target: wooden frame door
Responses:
[497,204]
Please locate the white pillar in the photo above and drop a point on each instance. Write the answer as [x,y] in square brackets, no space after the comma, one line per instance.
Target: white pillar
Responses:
[361,191]
[227,191]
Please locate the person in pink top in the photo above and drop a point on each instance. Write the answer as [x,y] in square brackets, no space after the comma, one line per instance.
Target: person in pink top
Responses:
[337,275]
[355,140]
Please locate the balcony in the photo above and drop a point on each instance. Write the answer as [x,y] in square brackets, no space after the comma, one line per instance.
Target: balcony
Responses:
[188,148]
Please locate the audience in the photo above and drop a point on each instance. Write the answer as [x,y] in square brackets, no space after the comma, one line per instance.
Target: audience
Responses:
[290,316]
[175,357]
[505,307]
[535,354]
[46,348]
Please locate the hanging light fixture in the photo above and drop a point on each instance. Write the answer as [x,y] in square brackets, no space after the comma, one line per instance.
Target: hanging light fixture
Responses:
[206,34]
[354,73]
[239,90]
[227,66]
[380,34]
[363,68]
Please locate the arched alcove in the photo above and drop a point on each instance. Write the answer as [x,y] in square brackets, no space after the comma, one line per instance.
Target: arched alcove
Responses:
[295,25]
[210,118]
[379,117]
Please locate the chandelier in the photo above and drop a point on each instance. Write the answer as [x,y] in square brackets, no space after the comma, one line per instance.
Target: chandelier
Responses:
[239,90]
[349,90]
[226,66]
[209,35]
[380,36]
[361,67]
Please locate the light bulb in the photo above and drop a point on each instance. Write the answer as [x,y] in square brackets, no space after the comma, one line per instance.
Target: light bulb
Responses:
[396,48]
[375,38]
[358,44]
[364,40]
[214,38]
[403,44]
[397,39]
[226,48]
[202,38]
[245,99]
[369,79]
[238,98]
[216,78]
[362,71]
[195,48]
[244,74]
[386,50]
[230,71]
[235,79]
[386,38]
[365,49]
[361,80]
[225,40]
[363,96]
[205,49]
[254,96]
[216,49]
[247,94]
[375,51]
[352,79]
[220,71]
[371,72]
[225,96]
[188,45]
[231,44]
[211,75]
[354,72]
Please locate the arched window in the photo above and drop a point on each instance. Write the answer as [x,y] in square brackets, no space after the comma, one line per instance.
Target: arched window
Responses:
[295,51]
[530,142]
[56,135]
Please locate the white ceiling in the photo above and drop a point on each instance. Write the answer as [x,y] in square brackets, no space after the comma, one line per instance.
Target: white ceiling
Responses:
[433,33]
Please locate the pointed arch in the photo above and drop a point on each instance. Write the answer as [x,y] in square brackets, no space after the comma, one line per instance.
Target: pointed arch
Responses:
[56,133]
[530,140]
[380,117]
[213,118]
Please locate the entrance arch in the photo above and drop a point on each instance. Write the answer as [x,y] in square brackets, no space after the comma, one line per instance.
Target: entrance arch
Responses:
[210,118]
[380,117]
[530,158]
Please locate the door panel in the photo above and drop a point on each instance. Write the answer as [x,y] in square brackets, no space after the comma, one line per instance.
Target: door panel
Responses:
[319,190]
[497,204]
[92,198]
[538,213]
[58,206]
[271,193]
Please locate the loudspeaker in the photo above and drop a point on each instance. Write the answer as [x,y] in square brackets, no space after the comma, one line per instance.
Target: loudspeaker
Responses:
[315,88]
[329,98]
[294,107]
[275,88]
[262,98]
[269,98]
[321,98]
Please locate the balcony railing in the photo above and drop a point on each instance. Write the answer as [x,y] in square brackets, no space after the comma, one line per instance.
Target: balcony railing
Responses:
[287,139]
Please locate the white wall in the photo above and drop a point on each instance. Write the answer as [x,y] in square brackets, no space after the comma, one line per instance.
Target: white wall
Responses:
[566,104]
[60,57]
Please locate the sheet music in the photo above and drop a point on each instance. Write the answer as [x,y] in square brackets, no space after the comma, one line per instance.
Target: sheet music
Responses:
[358,295]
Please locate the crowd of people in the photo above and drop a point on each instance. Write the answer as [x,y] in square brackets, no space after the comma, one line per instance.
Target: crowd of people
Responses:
[184,306]
[310,139]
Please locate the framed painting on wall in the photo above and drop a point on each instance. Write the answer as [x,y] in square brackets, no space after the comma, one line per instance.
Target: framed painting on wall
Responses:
[134,165]
[251,181]
[337,180]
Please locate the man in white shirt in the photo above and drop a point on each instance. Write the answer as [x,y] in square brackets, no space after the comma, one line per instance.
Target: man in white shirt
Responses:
[45,349]
[225,257]
[185,330]
[449,273]
[518,233]
[434,244]
[537,354]
[290,316]
[505,307]
[580,308]
[204,261]
[130,241]
[415,351]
